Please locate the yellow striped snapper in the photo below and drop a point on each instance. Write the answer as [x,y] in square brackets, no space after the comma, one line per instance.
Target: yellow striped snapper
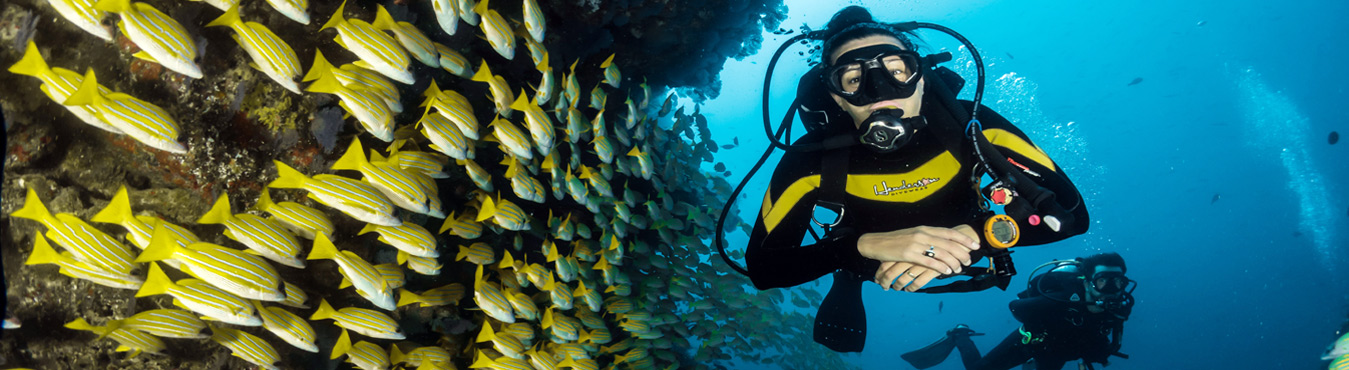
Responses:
[390,272]
[599,126]
[499,363]
[478,254]
[359,273]
[466,12]
[266,237]
[168,323]
[88,244]
[524,306]
[502,96]
[454,107]
[44,254]
[364,355]
[295,297]
[540,126]
[491,300]
[497,31]
[366,322]
[270,54]
[577,129]
[420,265]
[378,51]
[536,274]
[591,319]
[583,249]
[242,274]
[131,340]
[571,87]
[408,237]
[296,10]
[353,197]
[427,354]
[612,76]
[620,289]
[561,326]
[604,149]
[524,185]
[508,345]
[59,83]
[573,351]
[575,187]
[634,114]
[453,62]
[541,360]
[145,122]
[440,296]
[536,49]
[618,305]
[520,330]
[84,15]
[590,296]
[447,16]
[161,39]
[512,139]
[200,297]
[534,20]
[446,137]
[547,84]
[140,229]
[288,326]
[354,77]
[413,40]
[463,226]
[367,105]
[596,336]
[598,97]
[504,213]
[559,293]
[247,347]
[580,363]
[302,220]
[480,177]
[598,183]
[567,267]
[427,163]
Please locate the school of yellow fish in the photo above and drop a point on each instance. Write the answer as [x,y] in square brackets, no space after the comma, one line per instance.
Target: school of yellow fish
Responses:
[619,272]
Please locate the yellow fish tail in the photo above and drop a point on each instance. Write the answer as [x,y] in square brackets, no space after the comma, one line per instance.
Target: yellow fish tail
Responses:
[484,73]
[265,201]
[325,311]
[155,283]
[42,252]
[87,93]
[80,324]
[219,213]
[327,82]
[353,159]
[406,297]
[230,18]
[383,21]
[366,230]
[336,19]
[287,177]
[32,63]
[488,209]
[162,246]
[343,345]
[323,248]
[321,66]
[118,210]
[33,209]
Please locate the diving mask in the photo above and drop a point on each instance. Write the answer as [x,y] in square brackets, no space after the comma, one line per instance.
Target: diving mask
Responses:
[886,131]
[874,73]
[1110,282]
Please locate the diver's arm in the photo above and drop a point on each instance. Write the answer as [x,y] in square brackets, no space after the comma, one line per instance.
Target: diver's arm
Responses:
[776,257]
[1041,169]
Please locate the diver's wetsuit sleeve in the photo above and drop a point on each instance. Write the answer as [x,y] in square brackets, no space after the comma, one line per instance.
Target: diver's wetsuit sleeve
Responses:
[1039,167]
[775,256]
[1037,312]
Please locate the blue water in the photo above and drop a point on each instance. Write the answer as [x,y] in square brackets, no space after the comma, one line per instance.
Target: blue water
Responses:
[1236,100]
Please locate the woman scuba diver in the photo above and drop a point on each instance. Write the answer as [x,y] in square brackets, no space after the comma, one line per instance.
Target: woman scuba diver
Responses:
[899,161]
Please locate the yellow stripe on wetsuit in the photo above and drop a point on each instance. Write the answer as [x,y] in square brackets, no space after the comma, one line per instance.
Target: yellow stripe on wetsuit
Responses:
[1016,144]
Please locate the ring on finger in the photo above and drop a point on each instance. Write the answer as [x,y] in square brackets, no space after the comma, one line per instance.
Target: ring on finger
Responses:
[931,251]
[911,274]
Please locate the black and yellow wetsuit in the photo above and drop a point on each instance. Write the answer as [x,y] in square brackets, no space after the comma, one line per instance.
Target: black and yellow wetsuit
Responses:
[926,183]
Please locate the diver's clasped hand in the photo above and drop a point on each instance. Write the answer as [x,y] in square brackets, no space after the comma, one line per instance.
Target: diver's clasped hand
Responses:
[912,257]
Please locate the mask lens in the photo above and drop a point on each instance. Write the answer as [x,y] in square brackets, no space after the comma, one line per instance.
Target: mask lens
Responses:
[1110,284]
[852,70]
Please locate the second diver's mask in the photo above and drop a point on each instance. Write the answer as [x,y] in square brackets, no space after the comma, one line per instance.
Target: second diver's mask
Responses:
[1113,288]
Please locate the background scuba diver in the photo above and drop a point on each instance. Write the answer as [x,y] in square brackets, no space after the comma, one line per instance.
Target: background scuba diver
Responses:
[1076,310]
[912,205]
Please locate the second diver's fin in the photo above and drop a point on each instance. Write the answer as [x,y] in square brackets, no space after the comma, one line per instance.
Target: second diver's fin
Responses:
[932,355]
[841,322]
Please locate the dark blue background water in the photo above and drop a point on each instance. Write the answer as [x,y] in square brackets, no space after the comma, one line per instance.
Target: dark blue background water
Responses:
[1236,100]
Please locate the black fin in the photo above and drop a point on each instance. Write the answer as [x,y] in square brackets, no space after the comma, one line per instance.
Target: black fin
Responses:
[841,322]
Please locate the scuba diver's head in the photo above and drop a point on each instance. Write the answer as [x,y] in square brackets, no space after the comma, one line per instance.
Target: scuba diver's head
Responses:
[1105,279]
[873,73]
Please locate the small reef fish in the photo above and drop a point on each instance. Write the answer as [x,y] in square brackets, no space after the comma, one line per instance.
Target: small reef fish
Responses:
[44,254]
[304,221]
[295,297]
[408,237]
[534,20]
[358,272]
[378,51]
[540,126]
[612,75]
[491,299]
[145,122]
[525,186]
[353,197]
[478,254]
[504,213]
[165,322]
[242,274]
[265,236]
[200,297]
[447,15]
[547,84]
[161,39]
[497,31]
[446,137]
[398,185]
[247,347]
[364,355]
[420,265]
[270,54]
[440,296]
[84,15]
[428,354]
[463,226]
[392,275]
[370,323]
[507,344]
[357,78]
[131,340]
[502,96]
[427,163]
[296,10]
[59,83]
[413,40]
[288,326]
[453,62]
[86,243]
[367,105]
[512,138]
[454,107]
